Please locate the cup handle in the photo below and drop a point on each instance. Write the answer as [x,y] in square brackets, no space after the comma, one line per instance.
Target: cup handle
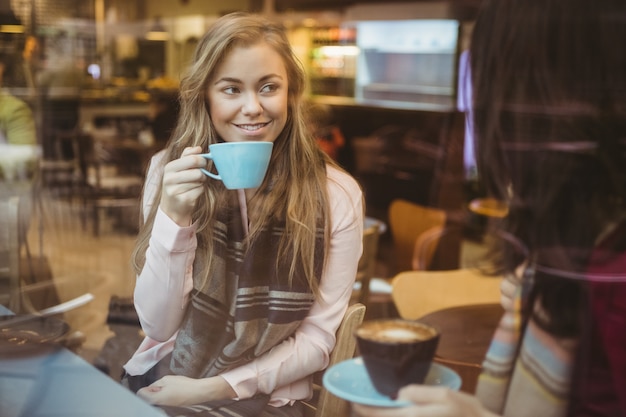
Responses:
[205,172]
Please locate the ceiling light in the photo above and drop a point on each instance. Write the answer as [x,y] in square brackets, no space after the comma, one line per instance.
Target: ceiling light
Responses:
[157,31]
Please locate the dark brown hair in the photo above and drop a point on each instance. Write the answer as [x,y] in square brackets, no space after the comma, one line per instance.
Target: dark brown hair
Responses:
[549,105]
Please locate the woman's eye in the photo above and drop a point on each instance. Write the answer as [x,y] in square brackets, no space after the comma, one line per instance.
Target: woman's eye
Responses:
[268,88]
[231,90]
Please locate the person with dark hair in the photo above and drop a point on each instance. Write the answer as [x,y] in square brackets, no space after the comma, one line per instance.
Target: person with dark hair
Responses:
[240,292]
[549,115]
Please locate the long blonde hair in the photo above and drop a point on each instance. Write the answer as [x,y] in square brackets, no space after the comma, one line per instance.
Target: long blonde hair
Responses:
[295,185]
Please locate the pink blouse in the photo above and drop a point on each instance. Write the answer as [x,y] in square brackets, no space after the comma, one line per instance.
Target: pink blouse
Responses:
[163,287]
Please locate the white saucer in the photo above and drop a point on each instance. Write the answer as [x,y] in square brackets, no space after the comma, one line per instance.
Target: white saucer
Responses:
[349,380]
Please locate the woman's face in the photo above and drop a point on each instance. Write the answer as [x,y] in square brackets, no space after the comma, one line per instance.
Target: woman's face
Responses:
[248,95]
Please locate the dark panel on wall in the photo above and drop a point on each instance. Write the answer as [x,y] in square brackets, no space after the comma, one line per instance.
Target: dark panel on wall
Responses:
[301,5]
[461,9]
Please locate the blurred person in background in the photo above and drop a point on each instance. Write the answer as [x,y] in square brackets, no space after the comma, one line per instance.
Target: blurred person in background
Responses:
[19,151]
[326,132]
[549,106]
[59,84]
[25,69]
[17,125]
[62,76]
[163,110]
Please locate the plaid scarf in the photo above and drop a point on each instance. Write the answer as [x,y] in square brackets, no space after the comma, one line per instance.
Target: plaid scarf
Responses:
[247,306]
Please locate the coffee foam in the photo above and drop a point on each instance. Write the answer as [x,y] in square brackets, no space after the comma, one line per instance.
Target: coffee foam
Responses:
[391,331]
[401,335]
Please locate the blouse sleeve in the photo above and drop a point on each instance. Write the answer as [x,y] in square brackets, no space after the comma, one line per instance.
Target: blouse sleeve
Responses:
[308,351]
[165,282]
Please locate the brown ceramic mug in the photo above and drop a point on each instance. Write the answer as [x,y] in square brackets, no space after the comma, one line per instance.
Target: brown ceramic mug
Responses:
[396,352]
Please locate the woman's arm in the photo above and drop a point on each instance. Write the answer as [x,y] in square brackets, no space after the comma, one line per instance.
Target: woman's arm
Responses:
[163,286]
[165,282]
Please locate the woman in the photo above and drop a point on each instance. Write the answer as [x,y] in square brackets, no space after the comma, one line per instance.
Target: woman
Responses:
[240,292]
[549,105]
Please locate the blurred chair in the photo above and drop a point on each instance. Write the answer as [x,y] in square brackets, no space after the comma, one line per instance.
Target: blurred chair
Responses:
[59,168]
[372,291]
[416,293]
[324,404]
[112,179]
[10,294]
[372,229]
[408,221]
[438,248]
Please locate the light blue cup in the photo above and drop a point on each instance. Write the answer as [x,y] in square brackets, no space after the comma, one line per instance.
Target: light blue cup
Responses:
[239,164]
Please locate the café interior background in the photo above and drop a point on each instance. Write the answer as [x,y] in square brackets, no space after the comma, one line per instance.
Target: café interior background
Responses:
[381,87]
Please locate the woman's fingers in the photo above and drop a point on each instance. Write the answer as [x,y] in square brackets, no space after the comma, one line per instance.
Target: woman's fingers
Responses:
[420,394]
[149,393]
[183,183]
[442,402]
[192,150]
[428,401]
[190,160]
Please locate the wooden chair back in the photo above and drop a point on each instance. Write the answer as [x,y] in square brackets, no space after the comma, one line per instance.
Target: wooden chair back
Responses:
[408,221]
[326,404]
[10,254]
[59,167]
[367,264]
[112,180]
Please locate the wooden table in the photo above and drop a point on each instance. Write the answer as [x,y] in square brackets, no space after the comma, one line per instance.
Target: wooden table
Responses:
[466,333]
[489,207]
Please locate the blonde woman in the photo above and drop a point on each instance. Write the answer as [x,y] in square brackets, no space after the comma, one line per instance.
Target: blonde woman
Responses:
[240,292]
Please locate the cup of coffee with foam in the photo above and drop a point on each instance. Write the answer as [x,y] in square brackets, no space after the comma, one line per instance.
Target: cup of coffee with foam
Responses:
[396,352]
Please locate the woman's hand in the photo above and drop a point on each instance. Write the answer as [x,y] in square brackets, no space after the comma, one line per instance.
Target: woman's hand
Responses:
[428,402]
[182,185]
[177,390]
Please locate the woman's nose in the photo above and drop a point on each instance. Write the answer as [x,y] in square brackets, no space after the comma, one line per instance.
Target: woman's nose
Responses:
[251,105]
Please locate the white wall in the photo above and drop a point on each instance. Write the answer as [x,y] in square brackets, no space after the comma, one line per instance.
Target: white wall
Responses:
[186,20]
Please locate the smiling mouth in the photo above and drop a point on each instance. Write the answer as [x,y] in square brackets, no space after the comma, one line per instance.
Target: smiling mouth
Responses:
[252,127]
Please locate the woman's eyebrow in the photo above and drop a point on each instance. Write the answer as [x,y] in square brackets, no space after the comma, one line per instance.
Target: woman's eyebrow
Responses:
[238,81]
[267,77]
[228,80]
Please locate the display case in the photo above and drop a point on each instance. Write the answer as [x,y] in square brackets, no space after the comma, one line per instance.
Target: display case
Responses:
[408,61]
[333,58]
